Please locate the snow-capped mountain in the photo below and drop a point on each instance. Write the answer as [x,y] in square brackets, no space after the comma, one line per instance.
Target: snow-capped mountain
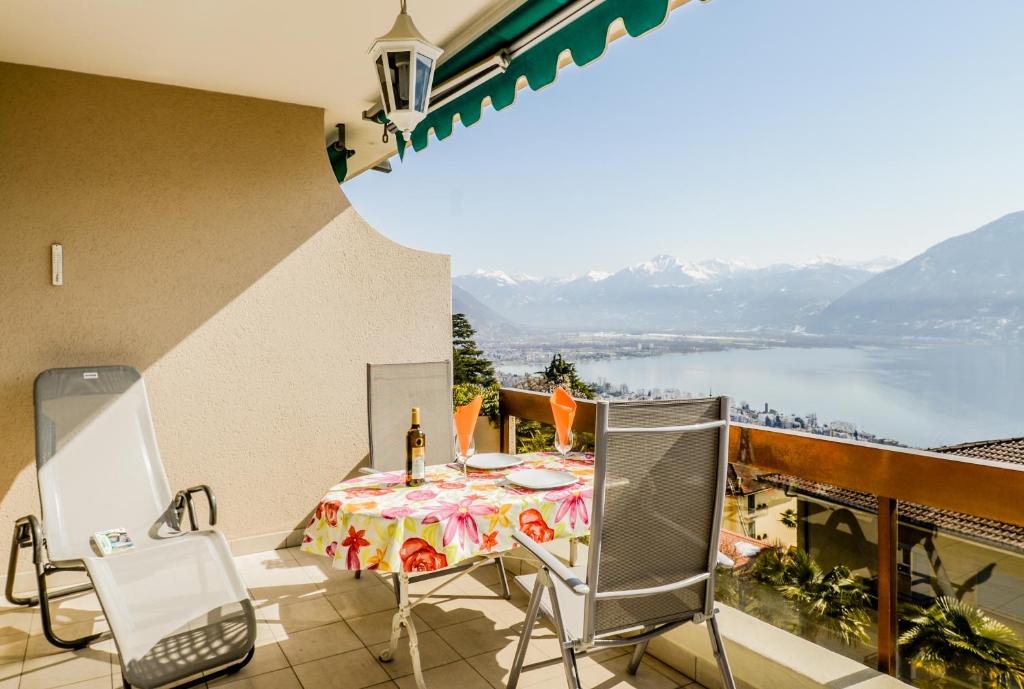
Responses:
[969,286]
[670,293]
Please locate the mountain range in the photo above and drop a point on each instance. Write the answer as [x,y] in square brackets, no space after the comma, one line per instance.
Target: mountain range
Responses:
[970,286]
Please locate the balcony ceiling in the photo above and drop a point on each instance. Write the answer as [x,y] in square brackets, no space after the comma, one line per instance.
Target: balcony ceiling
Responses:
[312,53]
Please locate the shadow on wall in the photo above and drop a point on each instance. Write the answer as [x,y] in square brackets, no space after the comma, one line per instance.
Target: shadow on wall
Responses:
[172,205]
[169,203]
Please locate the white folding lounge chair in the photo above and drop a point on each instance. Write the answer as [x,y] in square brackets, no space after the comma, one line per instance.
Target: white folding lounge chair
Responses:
[174,602]
[392,390]
[659,489]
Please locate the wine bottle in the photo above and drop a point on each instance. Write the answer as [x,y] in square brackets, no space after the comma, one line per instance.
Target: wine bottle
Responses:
[415,452]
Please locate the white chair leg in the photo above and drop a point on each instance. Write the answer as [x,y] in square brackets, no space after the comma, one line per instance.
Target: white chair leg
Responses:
[524,638]
[719,650]
[572,673]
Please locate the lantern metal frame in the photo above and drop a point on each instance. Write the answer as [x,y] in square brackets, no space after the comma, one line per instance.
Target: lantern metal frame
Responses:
[409,88]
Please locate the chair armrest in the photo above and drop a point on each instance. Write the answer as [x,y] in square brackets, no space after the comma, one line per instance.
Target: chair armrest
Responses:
[552,563]
[183,501]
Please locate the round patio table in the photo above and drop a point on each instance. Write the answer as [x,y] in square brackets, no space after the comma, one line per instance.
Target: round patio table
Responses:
[376,522]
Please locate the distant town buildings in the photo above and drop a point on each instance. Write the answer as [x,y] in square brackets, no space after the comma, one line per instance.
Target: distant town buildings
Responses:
[741,412]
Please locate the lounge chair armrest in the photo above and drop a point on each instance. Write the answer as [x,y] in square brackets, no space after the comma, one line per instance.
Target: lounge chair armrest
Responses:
[552,563]
[183,501]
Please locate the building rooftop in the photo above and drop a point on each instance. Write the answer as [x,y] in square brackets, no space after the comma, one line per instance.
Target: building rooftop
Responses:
[990,531]
[1009,450]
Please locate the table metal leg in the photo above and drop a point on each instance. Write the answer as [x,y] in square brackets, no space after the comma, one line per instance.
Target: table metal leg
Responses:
[403,618]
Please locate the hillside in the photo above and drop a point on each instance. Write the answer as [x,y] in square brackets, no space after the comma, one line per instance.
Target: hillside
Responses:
[970,286]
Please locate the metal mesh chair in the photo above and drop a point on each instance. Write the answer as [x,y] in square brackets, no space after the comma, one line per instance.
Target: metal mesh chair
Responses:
[660,471]
[392,390]
[174,602]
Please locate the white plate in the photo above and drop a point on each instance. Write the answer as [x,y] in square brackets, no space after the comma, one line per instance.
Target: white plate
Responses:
[541,479]
[493,460]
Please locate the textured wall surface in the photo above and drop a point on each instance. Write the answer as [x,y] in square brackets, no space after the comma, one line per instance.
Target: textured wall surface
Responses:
[207,244]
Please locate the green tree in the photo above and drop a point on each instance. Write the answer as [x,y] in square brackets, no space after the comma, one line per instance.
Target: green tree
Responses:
[563,373]
[956,643]
[463,393]
[469,366]
[832,600]
[534,437]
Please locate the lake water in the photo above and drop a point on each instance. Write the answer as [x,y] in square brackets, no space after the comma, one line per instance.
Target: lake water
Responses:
[923,396]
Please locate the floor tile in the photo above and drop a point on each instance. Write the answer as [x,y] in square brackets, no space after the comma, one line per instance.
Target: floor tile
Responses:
[12,652]
[285,620]
[268,657]
[319,642]
[275,578]
[352,670]
[313,622]
[458,674]
[433,652]
[15,622]
[38,645]
[319,571]
[95,683]
[359,602]
[376,628]
[65,667]
[279,679]
[444,612]
[611,673]
[481,635]
[650,663]
[470,601]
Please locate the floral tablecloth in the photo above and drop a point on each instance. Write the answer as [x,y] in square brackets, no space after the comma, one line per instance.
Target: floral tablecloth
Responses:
[377,522]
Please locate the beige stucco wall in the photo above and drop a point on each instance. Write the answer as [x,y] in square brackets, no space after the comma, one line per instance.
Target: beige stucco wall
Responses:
[206,243]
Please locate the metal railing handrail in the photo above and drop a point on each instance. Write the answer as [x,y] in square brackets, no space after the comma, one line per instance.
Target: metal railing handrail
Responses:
[979,487]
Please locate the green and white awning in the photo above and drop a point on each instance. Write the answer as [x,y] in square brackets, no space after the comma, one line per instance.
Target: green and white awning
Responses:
[527,44]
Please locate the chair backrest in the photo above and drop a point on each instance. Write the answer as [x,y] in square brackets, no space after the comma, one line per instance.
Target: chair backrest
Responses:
[97,459]
[659,490]
[392,390]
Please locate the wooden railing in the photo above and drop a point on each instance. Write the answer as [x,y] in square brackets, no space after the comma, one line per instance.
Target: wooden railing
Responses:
[993,490]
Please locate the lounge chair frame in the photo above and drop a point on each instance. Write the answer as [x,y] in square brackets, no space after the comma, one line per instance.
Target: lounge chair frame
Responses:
[28,534]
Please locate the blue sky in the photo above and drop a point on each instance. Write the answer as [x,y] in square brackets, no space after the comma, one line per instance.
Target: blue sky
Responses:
[764,130]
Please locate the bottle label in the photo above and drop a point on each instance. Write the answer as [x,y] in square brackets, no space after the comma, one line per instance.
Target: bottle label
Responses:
[419,462]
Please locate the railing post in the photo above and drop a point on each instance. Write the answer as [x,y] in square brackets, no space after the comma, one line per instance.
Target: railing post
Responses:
[508,434]
[888,584]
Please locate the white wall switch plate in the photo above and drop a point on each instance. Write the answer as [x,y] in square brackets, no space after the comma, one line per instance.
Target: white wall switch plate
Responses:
[57,264]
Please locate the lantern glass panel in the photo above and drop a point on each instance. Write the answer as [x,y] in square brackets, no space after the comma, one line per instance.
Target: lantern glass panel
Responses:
[424,67]
[382,78]
[399,64]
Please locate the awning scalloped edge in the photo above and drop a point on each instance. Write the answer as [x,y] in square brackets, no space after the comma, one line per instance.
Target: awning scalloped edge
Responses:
[585,39]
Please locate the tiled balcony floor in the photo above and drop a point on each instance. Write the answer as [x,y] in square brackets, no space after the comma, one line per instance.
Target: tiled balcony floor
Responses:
[319,628]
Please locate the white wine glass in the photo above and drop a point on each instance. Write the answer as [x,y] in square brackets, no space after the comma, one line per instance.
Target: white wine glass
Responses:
[463,457]
[567,447]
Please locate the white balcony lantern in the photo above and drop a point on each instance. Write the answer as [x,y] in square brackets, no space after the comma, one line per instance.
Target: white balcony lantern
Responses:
[404,61]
